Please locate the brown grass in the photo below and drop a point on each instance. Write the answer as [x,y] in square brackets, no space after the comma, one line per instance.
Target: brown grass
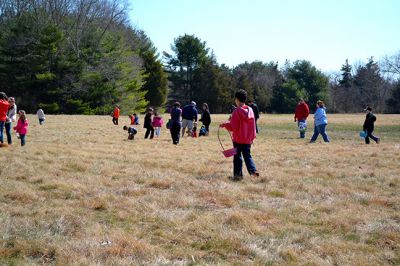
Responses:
[80,193]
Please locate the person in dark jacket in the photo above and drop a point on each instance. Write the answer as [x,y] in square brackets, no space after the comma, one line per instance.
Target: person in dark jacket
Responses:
[368,126]
[256,112]
[206,118]
[148,125]
[175,124]
[189,115]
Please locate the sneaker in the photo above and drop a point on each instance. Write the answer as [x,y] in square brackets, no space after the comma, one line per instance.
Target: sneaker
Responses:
[255,174]
[236,178]
[378,140]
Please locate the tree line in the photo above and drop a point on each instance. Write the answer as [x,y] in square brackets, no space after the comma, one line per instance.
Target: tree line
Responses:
[77,56]
[195,74]
[83,57]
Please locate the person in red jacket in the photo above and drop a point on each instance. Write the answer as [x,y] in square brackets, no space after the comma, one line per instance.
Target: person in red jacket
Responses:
[300,116]
[115,115]
[4,104]
[243,128]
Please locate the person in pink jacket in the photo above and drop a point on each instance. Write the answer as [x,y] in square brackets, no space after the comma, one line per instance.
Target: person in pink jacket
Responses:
[242,126]
[22,126]
[157,124]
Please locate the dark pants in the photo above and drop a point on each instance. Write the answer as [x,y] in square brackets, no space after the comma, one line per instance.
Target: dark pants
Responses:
[243,149]
[207,126]
[255,120]
[370,135]
[115,120]
[149,131]
[22,137]
[41,121]
[8,132]
[175,132]
[2,123]
[320,129]
[302,134]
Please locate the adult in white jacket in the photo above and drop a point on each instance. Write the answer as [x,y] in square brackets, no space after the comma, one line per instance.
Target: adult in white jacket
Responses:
[11,117]
[41,116]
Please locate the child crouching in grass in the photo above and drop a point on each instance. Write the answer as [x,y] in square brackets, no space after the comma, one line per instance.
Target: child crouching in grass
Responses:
[131,132]
[243,128]
[22,126]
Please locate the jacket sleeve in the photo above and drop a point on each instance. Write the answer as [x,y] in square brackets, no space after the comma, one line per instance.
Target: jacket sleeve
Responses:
[307,110]
[233,124]
[195,115]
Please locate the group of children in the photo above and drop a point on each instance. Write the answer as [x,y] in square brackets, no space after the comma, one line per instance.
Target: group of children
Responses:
[8,115]
[153,123]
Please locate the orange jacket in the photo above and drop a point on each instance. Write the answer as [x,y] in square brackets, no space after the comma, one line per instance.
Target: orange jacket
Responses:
[116,112]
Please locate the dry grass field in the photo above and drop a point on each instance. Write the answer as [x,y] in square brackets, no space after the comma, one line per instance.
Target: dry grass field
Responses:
[79,193]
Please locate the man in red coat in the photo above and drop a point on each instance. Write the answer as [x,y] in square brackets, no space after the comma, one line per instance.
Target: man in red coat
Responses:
[300,116]
[3,113]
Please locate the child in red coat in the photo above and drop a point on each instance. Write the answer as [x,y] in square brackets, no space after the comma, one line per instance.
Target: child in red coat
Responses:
[243,128]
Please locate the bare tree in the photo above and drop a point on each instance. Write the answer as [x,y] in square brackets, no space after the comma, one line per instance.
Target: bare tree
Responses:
[391,65]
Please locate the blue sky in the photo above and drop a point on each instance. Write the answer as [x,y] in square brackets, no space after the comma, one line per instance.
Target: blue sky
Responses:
[325,32]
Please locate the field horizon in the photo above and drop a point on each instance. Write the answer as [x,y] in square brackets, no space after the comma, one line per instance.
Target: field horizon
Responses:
[80,193]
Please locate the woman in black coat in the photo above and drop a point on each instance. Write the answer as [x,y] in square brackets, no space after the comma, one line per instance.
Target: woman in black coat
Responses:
[148,124]
[206,117]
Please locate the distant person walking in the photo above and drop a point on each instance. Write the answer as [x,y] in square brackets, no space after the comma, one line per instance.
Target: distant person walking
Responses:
[175,123]
[189,115]
[41,116]
[148,124]
[300,116]
[368,126]
[11,117]
[243,128]
[254,106]
[206,118]
[115,115]
[320,123]
[22,127]
[4,104]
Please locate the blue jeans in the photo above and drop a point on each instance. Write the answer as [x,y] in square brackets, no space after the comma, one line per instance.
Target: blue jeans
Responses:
[22,139]
[8,132]
[370,135]
[320,129]
[243,149]
[302,134]
[2,123]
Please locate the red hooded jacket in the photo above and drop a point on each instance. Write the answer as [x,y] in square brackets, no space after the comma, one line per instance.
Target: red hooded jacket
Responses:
[3,110]
[242,125]
[302,111]
[116,112]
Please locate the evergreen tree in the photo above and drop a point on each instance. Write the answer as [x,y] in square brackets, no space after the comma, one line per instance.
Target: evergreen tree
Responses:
[189,53]
[314,82]
[369,85]
[345,87]
[393,103]
[286,97]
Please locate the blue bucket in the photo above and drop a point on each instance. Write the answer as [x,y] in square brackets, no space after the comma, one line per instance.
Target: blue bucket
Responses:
[363,134]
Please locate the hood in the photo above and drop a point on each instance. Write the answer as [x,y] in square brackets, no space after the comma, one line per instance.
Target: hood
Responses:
[245,112]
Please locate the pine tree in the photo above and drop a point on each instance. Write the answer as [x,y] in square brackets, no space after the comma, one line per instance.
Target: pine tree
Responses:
[345,87]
